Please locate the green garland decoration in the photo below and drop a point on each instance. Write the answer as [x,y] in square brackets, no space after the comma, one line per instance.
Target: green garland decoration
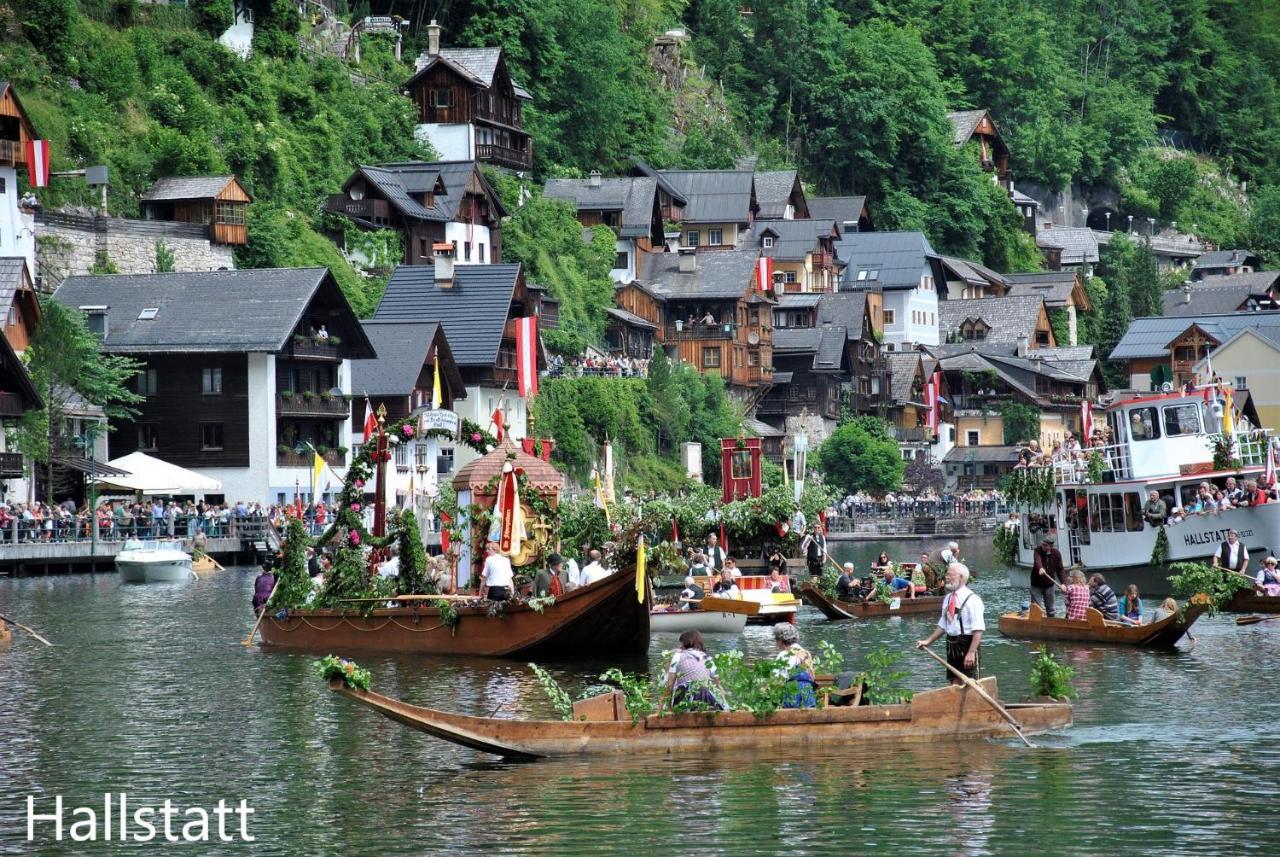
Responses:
[1160,551]
[1191,579]
[1029,486]
[1006,544]
[1097,467]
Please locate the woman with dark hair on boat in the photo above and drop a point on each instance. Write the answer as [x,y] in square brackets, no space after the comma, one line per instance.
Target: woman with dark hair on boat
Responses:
[691,678]
[882,562]
[797,665]
[1131,606]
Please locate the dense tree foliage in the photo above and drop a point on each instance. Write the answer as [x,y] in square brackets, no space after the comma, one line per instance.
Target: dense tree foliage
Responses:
[860,456]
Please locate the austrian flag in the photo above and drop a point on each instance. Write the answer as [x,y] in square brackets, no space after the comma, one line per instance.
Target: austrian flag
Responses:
[527,356]
[764,274]
[38,162]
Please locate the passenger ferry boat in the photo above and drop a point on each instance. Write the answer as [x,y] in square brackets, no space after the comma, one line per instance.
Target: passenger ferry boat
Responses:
[1162,442]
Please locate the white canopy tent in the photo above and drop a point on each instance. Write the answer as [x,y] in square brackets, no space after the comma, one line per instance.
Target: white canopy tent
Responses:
[149,475]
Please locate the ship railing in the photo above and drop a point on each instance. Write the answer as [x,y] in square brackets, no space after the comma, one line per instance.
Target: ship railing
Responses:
[1250,447]
[1073,469]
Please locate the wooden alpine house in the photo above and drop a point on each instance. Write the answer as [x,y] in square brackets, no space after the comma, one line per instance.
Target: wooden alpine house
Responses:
[218,202]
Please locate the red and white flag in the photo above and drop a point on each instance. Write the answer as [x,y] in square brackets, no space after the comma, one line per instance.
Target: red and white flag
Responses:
[38,162]
[370,421]
[1269,475]
[764,274]
[527,356]
[496,421]
[510,514]
[931,402]
[1086,420]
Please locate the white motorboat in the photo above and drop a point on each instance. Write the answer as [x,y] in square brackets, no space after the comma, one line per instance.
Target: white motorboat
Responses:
[705,621]
[153,562]
[1164,443]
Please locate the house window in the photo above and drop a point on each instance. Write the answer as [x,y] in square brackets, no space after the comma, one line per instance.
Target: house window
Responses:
[231,213]
[146,382]
[791,276]
[444,461]
[402,456]
[149,313]
[767,241]
[620,262]
[422,249]
[12,318]
[862,275]
[753,358]
[2,188]
[715,237]
[430,199]
[711,358]
[466,251]
[480,251]
[888,346]
[148,436]
[211,381]
[419,455]
[96,320]
[691,238]
[1242,383]
[889,317]
[441,97]
[971,438]
[211,435]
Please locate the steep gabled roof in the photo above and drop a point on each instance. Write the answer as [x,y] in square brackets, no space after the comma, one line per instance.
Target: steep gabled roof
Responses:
[402,352]
[254,310]
[792,239]
[963,124]
[477,64]
[841,209]
[774,190]
[717,275]
[473,312]
[176,188]
[1224,259]
[15,283]
[899,257]
[1150,336]
[903,368]
[633,197]
[1078,245]
[1055,287]
[447,179]
[714,196]
[1201,299]
[640,169]
[844,309]
[975,273]
[1007,317]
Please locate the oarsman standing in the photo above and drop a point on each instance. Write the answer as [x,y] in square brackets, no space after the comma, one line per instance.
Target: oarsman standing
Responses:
[1231,554]
[814,547]
[714,554]
[962,622]
[1046,573]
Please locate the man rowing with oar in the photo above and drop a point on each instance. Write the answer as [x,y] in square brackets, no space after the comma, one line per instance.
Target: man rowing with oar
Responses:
[961,621]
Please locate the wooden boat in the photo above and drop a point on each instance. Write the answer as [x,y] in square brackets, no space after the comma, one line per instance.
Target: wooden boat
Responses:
[835,609]
[604,618]
[1034,625]
[946,714]
[706,621]
[6,636]
[774,607]
[1246,601]
[205,565]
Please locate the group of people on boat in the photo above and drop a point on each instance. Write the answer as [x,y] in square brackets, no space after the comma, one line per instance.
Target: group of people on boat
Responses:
[1207,498]
[1049,576]
[692,681]
[1232,556]
[903,580]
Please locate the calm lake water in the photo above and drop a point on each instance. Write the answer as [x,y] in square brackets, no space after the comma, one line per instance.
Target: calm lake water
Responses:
[150,692]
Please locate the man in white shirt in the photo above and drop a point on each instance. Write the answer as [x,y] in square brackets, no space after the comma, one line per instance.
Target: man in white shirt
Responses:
[962,622]
[731,566]
[497,578]
[593,570]
[714,553]
[1231,554]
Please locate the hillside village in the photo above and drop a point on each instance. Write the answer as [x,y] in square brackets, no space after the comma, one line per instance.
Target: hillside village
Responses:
[805,306]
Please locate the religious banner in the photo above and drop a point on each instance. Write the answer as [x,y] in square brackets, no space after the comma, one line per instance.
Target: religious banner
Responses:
[527,356]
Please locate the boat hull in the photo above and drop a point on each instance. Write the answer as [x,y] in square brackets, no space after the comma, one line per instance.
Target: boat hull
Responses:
[948,714]
[1036,626]
[144,570]
[604,618]
[704,621]
[835,610]
[1249,602]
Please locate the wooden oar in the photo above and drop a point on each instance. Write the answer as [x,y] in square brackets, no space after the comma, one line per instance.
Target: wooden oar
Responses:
[1253,620]
[266,605]
[977,688]
[4,618]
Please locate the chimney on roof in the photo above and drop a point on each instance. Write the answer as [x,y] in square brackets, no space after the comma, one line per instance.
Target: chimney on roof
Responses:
[1186,291]
[1235,256]
[1023,342]
[688,259]
[433,38]
[443,254]
[593,178]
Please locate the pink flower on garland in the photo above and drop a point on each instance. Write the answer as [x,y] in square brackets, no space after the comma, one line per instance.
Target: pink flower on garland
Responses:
[475,437]
[407,429]
[359,483]
[355,507]
[354,535]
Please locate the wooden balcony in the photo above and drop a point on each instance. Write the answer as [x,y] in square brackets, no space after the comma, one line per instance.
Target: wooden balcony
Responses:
[506,112]
[291,459]
[11,153]
[299,405]
[10,465]
[10,405]
[759,374]
[503,156]
[363,209]
[689,333]
[308,349]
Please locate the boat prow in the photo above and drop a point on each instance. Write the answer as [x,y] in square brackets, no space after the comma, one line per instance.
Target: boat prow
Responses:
[946,714]
[834,609]
[1034,625]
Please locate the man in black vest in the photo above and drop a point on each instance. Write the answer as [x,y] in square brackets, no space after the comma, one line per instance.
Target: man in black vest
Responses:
[1046,574]
[814,546]
[1232,555]
[714,553]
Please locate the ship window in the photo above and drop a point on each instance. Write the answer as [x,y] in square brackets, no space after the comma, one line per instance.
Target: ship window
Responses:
[1133,512]
[1143,425]
[1181,420]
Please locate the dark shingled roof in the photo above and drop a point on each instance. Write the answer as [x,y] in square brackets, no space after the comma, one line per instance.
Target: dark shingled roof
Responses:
[843,309]
[254,310]
[773,193]
[826,344]
[1008,317]
[973,272]
[1222,296]
[902,373]
[718,275]
[473,312]
[630,318]
[402,352]
[1224,259]
[186,187]
[714,196]
[633,197]
[13,275]
[792,239]
[761,429]
[1020,198]
[1150,336]
[397,181]
[798,300]
[1054,286]
[1078,245]
[963,124]
[900,257]
[479,64]
[841,209]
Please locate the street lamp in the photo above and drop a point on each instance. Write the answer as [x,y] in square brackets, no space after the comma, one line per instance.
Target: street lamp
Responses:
[1107,215]
[1130,224]
[88,442]
[1151,227]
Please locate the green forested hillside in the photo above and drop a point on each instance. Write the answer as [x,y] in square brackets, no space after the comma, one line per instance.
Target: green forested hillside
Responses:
[854,92]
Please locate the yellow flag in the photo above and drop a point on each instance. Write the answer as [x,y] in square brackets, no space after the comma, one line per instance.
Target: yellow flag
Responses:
[640,561]
[1228,421]
[317,471]
[437,399]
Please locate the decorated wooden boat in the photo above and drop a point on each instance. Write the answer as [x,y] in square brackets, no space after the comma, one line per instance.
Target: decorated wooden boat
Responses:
[774,607]
[204,565]
[946,714]
[1034,625]
[835,609]
[604,618]
[705,621]
[1245,601]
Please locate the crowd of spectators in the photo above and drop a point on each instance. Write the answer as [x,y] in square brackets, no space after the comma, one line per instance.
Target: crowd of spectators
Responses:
[926,503]
[608,367]
[120,519]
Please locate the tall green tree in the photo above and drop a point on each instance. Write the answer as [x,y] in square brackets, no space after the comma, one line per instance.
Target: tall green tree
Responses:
[860,456]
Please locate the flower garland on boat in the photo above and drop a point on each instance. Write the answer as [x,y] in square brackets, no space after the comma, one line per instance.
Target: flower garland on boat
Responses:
[1192,579]
[1029,486]
[355,676]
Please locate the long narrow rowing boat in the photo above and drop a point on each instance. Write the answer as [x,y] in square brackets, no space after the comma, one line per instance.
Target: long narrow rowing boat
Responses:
[1245,601]
[1034,625]
[946,714]
[604,618]
[834,609]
